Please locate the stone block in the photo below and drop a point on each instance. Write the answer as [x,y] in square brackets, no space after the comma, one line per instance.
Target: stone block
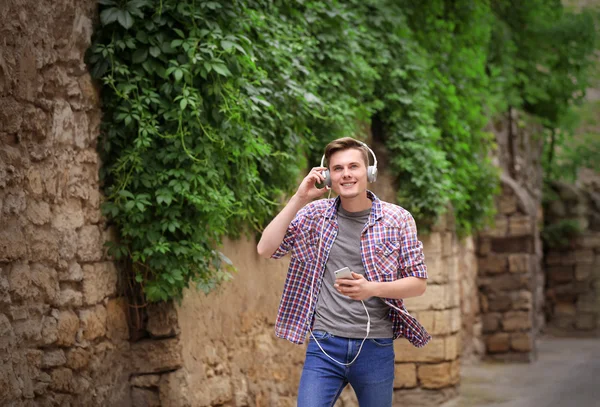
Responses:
[584,256]
[493,264]
[440,322]
[30,329]
[38,212]
[497,343]
[522,244]
[439,349]
[484,246]
[117,327]
[21,282]
[434,351]
[437,270]
[522,300]
[435,376]
[451,347]
[432,245]
[4,287]
[506,204]
[162,320]
[144,398]
[73,274]
[90,244]
[521,342]
[565,308]
[53,358]
[589,241]
[588,303]
[99,281]
[68,215]
[174,390]
[491,322]
[519,263]
[499,229]
[449,246]
[405,375]
[93,322]
[19,313]
[67,326]
[70,298]
[145,380]
[434,298]
[560,258]
[78,358]
[154,356]
[62,380]
[516,321]
[69,242]
[453,295]
[49,330]
[46,279]
[586,321]
[504,282]
[43,246]
[584,271]
[520,225]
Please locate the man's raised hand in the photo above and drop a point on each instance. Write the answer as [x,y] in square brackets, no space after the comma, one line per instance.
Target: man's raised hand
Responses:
[308,189]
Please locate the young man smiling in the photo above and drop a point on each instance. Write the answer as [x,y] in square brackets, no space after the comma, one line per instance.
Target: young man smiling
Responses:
[352,322]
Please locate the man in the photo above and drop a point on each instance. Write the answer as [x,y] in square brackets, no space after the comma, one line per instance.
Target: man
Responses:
[352,321]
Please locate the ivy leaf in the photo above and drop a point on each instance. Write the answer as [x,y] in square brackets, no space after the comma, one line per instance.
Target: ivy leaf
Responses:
[227,45]
[109,15]
[221,69]
[139,55]
[154,51]
[107,2]
[178,74]
[125,19]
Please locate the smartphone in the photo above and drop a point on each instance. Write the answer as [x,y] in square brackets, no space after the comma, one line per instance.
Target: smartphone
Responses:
[344,273]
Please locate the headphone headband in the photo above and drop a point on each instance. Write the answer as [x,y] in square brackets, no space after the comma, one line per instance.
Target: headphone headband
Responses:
[365,145]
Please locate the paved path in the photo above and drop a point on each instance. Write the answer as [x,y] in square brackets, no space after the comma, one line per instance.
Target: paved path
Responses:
[566,374]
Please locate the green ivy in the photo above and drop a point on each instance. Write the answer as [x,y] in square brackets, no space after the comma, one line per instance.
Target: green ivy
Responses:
[212,110]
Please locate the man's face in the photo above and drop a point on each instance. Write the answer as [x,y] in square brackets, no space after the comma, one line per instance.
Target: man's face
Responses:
[348,173]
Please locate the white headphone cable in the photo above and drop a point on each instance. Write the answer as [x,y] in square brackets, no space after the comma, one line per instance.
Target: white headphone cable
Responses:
[310,308]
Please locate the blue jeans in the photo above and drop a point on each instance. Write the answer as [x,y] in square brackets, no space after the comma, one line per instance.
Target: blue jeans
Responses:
[371,375]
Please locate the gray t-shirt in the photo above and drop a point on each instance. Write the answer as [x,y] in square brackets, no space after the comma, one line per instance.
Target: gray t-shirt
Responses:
[337,313]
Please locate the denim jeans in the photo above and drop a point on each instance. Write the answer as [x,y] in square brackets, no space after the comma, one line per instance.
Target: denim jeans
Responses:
[371,375]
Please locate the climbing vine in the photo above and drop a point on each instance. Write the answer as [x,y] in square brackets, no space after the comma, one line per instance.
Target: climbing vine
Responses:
[213,109]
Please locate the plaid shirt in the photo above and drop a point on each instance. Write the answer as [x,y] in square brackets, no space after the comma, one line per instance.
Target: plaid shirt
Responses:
[388,244]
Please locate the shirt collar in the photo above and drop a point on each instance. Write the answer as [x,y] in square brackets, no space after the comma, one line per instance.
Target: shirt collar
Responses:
[376,208]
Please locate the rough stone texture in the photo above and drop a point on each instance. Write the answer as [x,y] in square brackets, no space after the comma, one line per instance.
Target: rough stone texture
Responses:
[572,267]
[152,356]
[162,320]
[53,352]
[510,277]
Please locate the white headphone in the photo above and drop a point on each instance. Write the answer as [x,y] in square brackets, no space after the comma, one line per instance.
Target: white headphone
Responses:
[371,170]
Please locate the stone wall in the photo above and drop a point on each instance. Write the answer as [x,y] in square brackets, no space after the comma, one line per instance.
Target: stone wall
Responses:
[572,265]
[63,330]
[510,278]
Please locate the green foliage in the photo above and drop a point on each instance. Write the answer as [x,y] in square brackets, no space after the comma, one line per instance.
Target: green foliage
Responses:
[213,109]
[559,234]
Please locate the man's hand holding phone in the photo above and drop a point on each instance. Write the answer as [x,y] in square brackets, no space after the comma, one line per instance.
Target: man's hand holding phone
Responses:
[353,285]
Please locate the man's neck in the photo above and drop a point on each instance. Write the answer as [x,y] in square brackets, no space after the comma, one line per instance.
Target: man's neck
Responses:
[356,204]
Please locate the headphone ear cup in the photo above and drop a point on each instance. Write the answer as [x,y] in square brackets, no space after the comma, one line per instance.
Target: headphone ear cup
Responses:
[327,181]
[372,173]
